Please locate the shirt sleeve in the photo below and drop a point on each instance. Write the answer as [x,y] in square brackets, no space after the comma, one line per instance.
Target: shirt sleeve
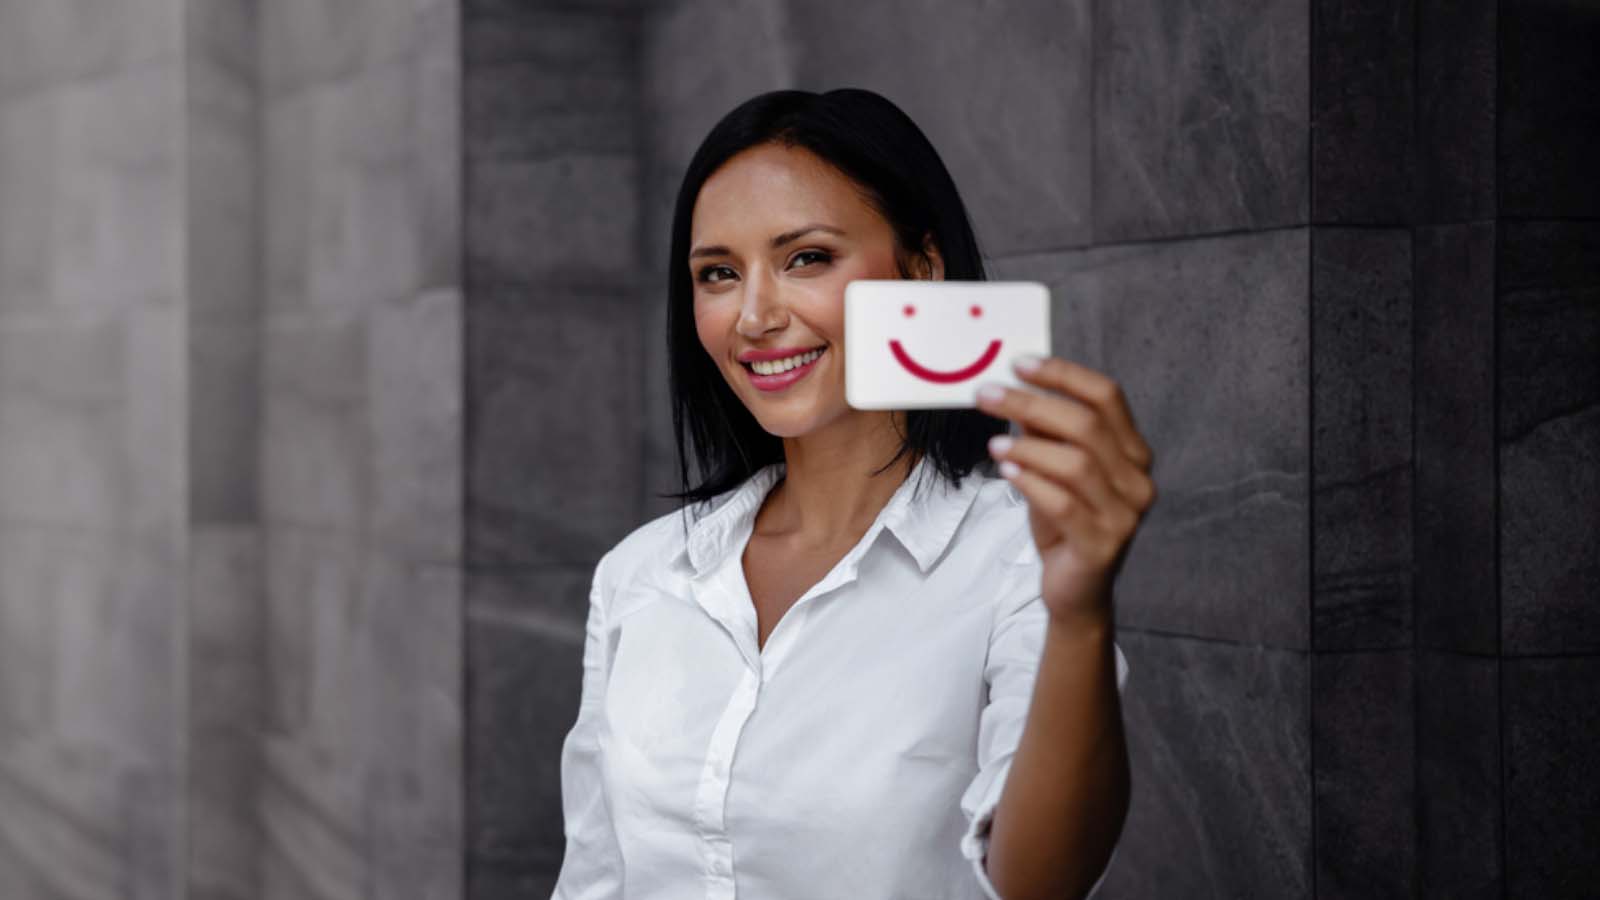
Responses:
[592,866]
[1015,645]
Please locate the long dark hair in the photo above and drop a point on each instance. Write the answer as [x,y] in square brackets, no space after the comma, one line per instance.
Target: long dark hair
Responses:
[874,143]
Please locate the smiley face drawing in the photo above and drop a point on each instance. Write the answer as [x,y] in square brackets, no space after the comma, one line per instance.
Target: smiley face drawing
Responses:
[948,376]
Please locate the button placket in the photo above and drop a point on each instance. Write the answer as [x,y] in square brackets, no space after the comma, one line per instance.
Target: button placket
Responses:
[712,791]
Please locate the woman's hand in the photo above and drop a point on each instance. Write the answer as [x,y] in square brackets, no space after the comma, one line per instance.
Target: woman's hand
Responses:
[1085,472]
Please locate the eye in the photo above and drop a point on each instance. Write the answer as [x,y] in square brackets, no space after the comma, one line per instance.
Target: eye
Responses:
[976,311]
[705,274]
[821,256]
[910,310]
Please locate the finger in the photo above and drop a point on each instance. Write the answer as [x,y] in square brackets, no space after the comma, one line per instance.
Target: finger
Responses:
[1068,464]
[1099,391]
[1071,421]
[1051,500]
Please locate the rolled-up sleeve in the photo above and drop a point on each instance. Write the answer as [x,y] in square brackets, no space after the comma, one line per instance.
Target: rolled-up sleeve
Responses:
[592,866]
[1015,644]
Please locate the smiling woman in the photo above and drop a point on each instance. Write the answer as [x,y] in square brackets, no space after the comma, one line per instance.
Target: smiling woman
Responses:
[908,626]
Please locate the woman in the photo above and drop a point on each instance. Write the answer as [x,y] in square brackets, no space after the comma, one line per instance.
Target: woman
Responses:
[838,681]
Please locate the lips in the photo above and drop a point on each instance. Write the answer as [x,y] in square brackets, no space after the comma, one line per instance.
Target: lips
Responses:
[782,380]
[938,377]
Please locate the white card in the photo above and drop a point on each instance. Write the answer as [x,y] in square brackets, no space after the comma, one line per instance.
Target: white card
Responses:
[915,344]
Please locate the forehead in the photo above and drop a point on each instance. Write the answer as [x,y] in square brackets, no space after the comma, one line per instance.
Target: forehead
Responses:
[767,189]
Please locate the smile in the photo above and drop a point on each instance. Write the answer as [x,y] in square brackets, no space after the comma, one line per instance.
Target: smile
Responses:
[927,374]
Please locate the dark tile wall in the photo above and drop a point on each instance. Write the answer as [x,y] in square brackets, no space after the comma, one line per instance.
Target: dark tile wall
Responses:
[553,387]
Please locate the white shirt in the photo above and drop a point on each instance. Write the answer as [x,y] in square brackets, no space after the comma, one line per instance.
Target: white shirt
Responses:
[860,753]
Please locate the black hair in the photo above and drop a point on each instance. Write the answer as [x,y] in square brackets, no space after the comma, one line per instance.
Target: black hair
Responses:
[875,144]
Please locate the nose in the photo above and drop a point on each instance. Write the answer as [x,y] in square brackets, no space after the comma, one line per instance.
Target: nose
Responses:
[761,309]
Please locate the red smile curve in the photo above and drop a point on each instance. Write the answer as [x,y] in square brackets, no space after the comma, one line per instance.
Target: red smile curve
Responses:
[927,374]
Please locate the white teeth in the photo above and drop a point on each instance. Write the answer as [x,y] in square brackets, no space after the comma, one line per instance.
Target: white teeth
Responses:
[778,366]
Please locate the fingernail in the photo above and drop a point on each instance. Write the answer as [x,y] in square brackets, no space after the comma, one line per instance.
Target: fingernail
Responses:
[992,393]
[999,444]
[1009,469]
[1027,362]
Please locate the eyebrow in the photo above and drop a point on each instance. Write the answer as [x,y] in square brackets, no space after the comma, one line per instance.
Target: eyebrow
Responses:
[777,242]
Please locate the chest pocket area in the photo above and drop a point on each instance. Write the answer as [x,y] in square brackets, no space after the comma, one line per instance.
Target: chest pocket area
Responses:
[672,671]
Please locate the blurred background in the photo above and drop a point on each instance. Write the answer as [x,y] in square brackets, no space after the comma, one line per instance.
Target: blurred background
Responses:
[332,359]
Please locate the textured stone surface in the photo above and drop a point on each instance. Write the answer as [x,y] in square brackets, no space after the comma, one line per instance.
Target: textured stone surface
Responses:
[1549,125]
[1549,420]
[1364,753]
[1209,340]
[1552,724]
[1457,604]
[1361,437]
[525,686]
[1219,739]
[554,442]
[1456,51]
[1201,117]
[93,426]
[1362,149]
[1022,165]
[1458,776]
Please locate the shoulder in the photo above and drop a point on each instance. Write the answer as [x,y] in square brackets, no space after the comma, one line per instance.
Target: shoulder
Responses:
[999,519]
[655,543]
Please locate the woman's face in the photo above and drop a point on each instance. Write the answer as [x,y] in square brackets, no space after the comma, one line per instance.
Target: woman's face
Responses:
[776,235]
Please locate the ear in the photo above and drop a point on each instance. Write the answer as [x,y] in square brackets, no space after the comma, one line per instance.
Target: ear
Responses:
[933,263]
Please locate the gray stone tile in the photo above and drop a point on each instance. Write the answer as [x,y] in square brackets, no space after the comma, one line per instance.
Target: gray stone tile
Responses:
[567,221]
[686,90]
[415,418]
[1549,127]
[117,193]
[225,618]
[1363,153]
[436,128]
[1457,604]
[342,214]
[225,33]
[316,446]
[551,600]
[1363,747]
[1209,340]
[224,423]
[1201,117]
[63,411]
[52,43]
[1456,84]
[1458,777]
[524,694]
[306,42]
[1022,165]
[1361,437]
[227,690]
[1552,724]
[560,37]
[553,435]
[222,205]
[30,149]
[1218,735]
[551,82]
[1549,423]
[90,799]
[413,796]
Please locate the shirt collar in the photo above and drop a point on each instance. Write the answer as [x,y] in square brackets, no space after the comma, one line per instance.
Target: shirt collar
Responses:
[923,524]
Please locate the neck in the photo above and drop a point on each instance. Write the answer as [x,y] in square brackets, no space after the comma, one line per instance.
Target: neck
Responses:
[829,493]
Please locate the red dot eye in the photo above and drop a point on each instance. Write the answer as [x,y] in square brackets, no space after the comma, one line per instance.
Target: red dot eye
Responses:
[910,310]
[977,311]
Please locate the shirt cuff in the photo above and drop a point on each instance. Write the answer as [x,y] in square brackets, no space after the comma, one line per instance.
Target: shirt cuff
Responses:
[975,842]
